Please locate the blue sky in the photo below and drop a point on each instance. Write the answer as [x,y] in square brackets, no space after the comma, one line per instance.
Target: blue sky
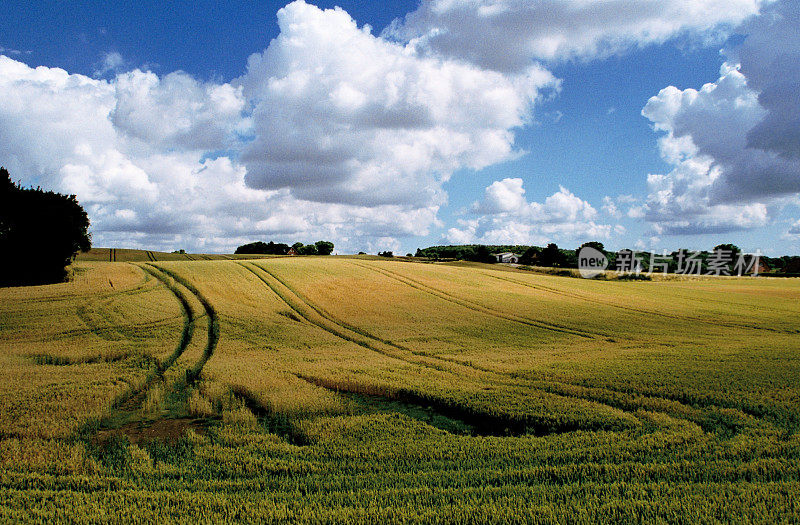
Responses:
[204,125]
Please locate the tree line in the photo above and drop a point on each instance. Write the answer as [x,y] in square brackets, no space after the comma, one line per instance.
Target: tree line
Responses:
[553,256]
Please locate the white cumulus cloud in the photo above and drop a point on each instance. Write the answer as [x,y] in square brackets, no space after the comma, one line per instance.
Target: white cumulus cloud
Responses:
[504,216]
[341,115]
[334,132]
[735,143]
[148,181]
[506,35]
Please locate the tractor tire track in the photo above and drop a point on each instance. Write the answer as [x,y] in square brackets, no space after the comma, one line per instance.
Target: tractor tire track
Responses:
[577,390]
[189,314]
[626,401]
[313,315]
[210,313]
[327,315]
[480,308]
[423,358]
[135,396]
[150,256]
[318,317]
[578,296]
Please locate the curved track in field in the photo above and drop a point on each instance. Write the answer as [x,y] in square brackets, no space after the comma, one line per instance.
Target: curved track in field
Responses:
[325,321]
[318,317]
[210,313]
[188,312]
[626,400]
[179,287]
[563,293]
[480,308]
[135,396]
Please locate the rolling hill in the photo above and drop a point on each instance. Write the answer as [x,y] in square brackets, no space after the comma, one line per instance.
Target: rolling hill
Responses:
[353,389]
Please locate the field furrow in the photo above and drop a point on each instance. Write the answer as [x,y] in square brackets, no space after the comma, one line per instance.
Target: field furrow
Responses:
[210,313]
[479,308]
[639,311]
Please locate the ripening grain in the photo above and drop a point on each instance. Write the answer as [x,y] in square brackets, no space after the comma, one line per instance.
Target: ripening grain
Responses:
[350,389]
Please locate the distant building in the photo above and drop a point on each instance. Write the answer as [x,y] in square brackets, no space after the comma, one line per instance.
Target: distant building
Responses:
[763,267]
[507,257]
[292,251]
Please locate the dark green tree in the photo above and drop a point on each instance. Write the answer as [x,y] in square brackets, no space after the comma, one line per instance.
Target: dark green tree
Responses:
[40,233]
[597,245]
[728,247]
[530,256]
[482,254]
[324,247]
[308,249]
[551,256]
[260,247]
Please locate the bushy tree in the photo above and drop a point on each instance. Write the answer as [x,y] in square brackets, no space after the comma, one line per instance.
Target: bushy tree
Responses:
[530,256]
[324,247]
[263,248]
[40,233]
[727,247]
[597,245]
[551,256]
[308,249]
[482,254]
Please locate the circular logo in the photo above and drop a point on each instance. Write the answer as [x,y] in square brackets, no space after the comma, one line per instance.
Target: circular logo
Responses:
[591,262]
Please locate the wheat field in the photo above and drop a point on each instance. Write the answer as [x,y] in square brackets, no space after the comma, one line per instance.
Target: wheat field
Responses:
[355,389]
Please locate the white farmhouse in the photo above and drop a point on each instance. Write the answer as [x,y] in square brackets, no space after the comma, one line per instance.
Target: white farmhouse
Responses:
[507,257]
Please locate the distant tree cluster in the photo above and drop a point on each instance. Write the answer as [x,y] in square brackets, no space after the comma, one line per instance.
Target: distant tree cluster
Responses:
[272,248]
[263,248]
[40,233]
[318,248]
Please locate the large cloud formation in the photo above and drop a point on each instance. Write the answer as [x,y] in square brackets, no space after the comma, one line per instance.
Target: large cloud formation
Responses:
[735,143]
[505,35]
[343,116]
[135,150]
[335,132]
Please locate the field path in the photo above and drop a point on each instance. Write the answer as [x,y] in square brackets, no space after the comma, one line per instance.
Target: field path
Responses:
[478,307]
[189,315]
[322,319]
[134,398]
[210,313]
[179,287]
[318,317]
[646,312]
